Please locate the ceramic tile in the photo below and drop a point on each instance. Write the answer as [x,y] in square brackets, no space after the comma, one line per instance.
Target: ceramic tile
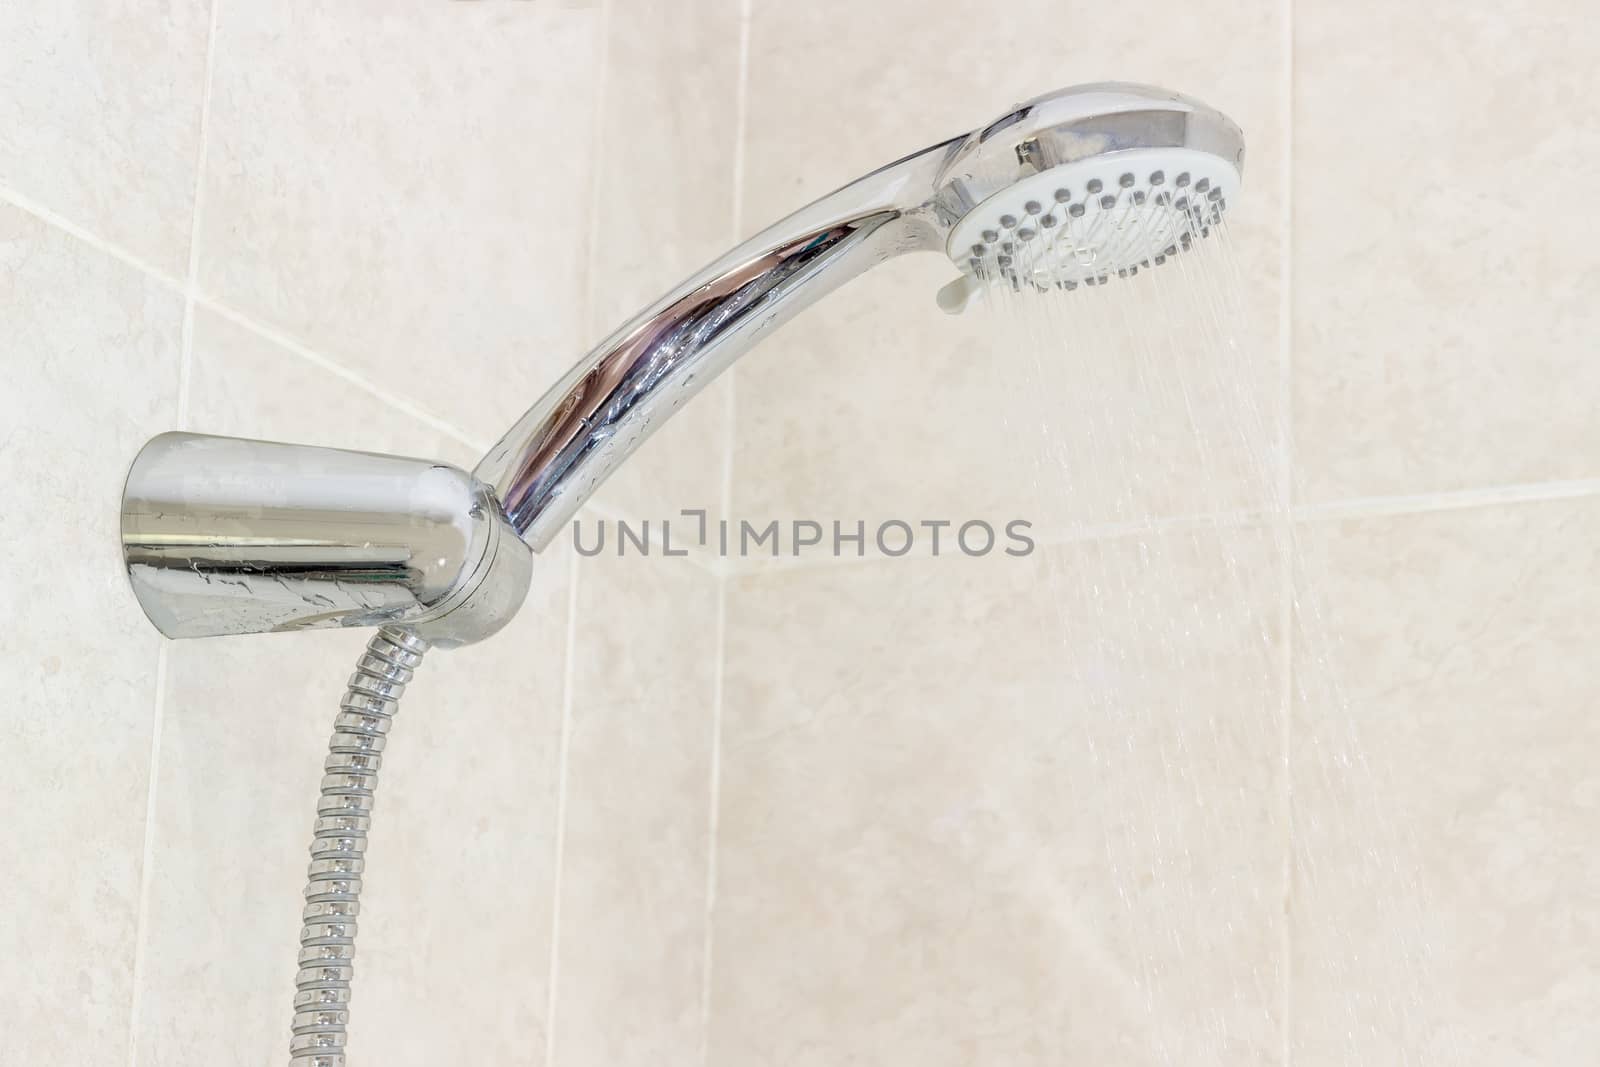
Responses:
[1444,319]
[100,103]
[466,825]
[633,901]
[90,371]
[664,195]
[874,403]
[977,811]
[1446,791]
[406,191]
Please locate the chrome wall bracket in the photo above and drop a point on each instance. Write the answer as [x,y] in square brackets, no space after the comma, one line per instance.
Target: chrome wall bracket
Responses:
[223,535]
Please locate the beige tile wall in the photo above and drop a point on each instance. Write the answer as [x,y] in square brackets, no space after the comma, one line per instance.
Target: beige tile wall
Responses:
[1465,651]
[941,843]
[947,810]
[1434,276]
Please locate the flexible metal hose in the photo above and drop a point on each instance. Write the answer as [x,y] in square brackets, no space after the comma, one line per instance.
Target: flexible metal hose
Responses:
[344,815]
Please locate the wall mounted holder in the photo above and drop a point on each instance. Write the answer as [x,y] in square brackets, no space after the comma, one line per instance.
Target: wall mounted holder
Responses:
[229,536]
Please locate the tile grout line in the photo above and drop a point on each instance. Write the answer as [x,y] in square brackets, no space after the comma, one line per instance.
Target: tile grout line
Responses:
[141,927]
[1287,537]
[104,247]
[713,815]
[197,205]
[158,716]
[1448,500]
[1333,511]
[568,677]
[722,571]
[740,117]
[602,47]
[338,370]
[586,325]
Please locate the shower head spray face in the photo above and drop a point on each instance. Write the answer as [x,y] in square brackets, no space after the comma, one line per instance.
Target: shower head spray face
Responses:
[1083,222]
[1084,185]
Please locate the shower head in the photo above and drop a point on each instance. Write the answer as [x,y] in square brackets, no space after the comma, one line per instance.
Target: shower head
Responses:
[1069,189]
[1084,184]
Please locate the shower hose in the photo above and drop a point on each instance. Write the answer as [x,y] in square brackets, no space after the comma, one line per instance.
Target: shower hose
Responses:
[344,815]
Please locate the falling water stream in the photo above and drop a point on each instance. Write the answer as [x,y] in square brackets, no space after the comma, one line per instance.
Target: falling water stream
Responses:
[1264,898]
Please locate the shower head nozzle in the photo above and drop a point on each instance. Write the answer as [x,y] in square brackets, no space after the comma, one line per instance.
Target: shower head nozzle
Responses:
[1085,184]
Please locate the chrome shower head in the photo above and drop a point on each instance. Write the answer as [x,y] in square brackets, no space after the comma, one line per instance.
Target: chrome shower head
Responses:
[1081,185]
[1068,189]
